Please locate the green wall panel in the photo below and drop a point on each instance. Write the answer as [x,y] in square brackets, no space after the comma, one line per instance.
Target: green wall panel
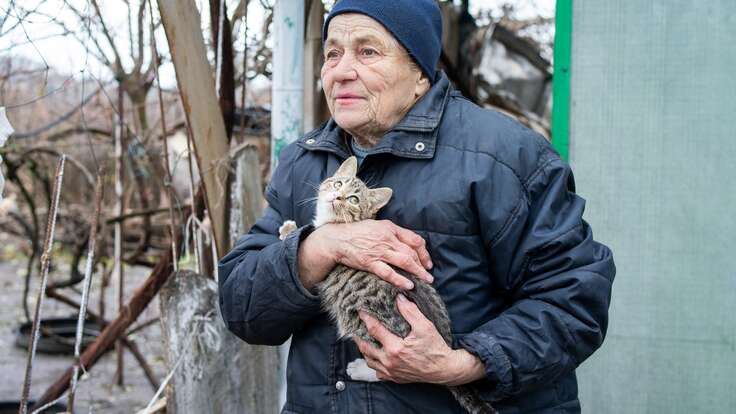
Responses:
[653,149]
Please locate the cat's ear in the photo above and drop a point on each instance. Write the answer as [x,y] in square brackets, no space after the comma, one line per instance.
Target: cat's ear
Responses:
[348,168]
[379,197]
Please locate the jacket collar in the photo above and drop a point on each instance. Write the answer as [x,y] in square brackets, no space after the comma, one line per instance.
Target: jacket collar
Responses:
[415,136]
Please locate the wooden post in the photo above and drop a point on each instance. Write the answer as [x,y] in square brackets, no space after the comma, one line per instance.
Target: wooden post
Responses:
[246,191]
[260,375]
[197,88]
[213,368]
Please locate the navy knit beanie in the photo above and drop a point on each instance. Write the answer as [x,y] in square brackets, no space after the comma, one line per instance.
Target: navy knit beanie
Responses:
[416,24]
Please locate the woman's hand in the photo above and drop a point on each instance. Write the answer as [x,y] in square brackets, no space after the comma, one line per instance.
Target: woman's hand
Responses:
[369,245]
[423,356]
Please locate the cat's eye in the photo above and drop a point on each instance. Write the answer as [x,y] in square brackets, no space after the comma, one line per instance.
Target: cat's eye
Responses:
[353,200]
[337,184]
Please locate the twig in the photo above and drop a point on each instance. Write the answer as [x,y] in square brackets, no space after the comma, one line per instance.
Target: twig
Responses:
[33,236]
[53,294]
[128,314]
[44,96]
[141,326]
[218,56]
[133,214]
[23,27]
[118,64]
[45,262]
[168,180]
[126,341]
[53,152]
[85,289]
[197,252]
[155,408]
[59,120]
[45,406]
[119,209]
[138,355]
[245,71]
[196,325]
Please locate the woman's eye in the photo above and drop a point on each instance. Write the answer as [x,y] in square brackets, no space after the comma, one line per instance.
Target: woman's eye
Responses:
[353,200]
[369,52]
[332,54]
[337,184]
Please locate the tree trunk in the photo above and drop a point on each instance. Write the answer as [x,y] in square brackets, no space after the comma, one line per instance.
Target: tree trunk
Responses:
[197,89]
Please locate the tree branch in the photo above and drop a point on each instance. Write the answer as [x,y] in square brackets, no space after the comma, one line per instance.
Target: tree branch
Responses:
[49,126]
[141,16]
[118,64]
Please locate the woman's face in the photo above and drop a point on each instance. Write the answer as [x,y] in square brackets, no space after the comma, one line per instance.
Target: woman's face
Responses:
[369,79]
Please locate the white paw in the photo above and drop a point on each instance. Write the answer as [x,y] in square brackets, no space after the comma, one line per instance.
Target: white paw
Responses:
[359,370]
[286,228]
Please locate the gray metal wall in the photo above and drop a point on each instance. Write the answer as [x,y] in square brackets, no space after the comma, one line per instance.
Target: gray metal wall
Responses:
[653,149]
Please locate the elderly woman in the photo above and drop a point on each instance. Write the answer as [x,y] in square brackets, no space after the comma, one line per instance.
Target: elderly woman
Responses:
[481,206]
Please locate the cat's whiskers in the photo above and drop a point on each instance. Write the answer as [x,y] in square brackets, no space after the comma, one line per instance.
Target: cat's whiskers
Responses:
[307,200]
[369,180]
[313,185]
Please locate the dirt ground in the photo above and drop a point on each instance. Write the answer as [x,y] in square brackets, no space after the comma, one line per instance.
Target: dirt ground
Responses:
[95,393]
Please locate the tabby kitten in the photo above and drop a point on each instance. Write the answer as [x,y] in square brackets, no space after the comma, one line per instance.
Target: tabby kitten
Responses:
[343,198]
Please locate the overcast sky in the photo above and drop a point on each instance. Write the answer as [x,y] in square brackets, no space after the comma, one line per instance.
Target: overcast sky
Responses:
[67,56]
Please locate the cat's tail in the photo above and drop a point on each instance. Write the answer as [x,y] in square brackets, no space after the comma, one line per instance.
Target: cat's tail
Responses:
[471,401]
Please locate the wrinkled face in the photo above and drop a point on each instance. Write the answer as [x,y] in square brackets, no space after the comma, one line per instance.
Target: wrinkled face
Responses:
[343,198]
[369,80]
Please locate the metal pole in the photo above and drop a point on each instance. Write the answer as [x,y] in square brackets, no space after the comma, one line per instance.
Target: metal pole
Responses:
[287,93]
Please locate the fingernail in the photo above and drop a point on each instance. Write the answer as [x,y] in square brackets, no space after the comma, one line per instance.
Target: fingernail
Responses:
[431,265]
[409,285]
[401,297]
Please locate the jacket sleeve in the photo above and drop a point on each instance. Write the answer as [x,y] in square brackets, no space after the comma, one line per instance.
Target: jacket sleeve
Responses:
[558,282]
[261,297]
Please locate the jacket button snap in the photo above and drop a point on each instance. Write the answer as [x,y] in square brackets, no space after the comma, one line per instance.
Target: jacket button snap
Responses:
[419,146]
[310,141]
[339,385]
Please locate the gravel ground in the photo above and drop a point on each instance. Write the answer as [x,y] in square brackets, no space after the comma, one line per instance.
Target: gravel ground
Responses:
[96,392]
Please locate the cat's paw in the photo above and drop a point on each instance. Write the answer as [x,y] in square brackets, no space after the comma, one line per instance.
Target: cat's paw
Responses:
[286,228]
[359,370]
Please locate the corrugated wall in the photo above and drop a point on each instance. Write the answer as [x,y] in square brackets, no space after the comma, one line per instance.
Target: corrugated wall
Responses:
[653,148]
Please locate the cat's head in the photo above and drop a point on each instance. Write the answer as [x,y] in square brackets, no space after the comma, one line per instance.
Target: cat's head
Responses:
[344,198]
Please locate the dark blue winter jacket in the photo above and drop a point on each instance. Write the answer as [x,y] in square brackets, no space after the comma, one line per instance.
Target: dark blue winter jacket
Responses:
[526,286]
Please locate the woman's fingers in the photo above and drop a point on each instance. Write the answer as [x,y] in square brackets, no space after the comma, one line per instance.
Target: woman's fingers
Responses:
[380,247]
[416,242]
[407,263]
[388,274]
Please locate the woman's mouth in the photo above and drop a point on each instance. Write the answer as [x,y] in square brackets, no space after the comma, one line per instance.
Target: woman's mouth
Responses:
[347,98]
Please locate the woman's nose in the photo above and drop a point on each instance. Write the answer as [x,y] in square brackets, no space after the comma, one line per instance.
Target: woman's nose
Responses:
[345,68]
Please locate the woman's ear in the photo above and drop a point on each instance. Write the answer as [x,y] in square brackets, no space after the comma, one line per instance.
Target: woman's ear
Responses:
[422,85]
